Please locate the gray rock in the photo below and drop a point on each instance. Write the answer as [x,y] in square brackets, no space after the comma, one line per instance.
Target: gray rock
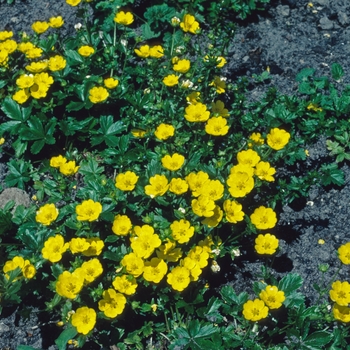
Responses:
[19,196]
[326,23]
[321,2]
[343,18]
[283,10]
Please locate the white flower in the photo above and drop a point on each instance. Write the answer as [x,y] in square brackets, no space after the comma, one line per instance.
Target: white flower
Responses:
[78,26]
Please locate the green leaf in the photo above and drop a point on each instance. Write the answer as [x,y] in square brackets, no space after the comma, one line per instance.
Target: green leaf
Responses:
[304,74]
[337,71]
[290,283]
[12,109]
[75,106]
[73,57]
[91,169]
[26,347]
[66,335]
[332,175]
[20,147]
[318,339]
[19,173]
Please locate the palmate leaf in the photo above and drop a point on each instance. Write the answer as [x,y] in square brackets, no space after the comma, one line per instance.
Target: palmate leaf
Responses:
[36,131]
[107,132]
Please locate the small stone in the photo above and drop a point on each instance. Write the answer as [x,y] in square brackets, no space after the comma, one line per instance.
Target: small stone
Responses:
[4,328]
[19,196]
[322,2]
[283,10]
[343,19]
[326,23]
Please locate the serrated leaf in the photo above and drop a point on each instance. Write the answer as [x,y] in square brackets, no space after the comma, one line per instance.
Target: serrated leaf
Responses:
[337,71]
[12,109]
[290,283]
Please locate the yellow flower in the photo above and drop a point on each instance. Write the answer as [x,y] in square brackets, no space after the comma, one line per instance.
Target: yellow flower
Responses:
[248,157]
[221,61]
[272,297]
[2,141]
[171,80]
[216,126]
[46,214]
[125,284]
[25,46]
[37,67]
[88,210]
[192,266]
[5,35]
[21,96]
[86,50]
[111,83]
[68,168]
[91,270]
[126,181]
[197,181]
[181,231]
[169,252]
[124,18]
[178,186]
[40,27]
[240,184]
[257,138]
[174,162]
[219,83]
[84,319]
[78,245]
[197,113]
[9,46]
[28,270]
[139,133]
[121,225]
[193,97]
[56,22]
[158,186]
[36,52]
[179,278]
[182,66]
[56,162]
[255,310]
[314,107]
[112,304]
[57,63]
[218,108]
[143,51]
[54,247]
[155,270]
[95,247]
[39,91]
[189,24]
[215,219]
[156,51]
[25,81]
[266,244]
[98,94]
[203,206]
[69,284]
[164,131]
[133,264]
[73,2]
[264,171]
[233,211]
[213,189]
[344,253]
[199,255]
[145,241]
[341,313]
[340,293]
[263,218]
[43,78]
[278,138]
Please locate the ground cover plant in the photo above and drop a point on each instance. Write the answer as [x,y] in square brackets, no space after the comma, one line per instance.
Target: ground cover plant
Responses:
[147,169]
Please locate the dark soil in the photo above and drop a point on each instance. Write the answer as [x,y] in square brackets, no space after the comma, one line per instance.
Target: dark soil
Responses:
[287,37]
